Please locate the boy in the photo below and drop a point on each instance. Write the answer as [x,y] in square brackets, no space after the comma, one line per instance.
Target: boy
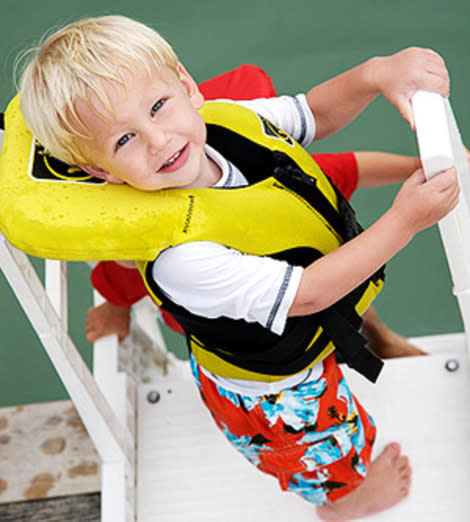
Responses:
[123,287]
[270,382]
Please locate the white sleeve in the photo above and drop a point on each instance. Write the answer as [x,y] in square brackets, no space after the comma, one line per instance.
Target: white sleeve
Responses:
[211,280]
[291,113]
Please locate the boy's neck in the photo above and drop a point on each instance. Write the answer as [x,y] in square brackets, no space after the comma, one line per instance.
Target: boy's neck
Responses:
[216,171]
[211,173]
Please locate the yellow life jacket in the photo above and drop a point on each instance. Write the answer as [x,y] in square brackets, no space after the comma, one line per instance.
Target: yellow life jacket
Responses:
[51,210]
[55,211]
[237,349]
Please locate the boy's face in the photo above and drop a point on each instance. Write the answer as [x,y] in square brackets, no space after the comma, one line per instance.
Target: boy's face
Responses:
[154,138]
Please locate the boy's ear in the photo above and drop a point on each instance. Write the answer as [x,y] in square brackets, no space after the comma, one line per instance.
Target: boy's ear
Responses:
[100,173]
[190,86]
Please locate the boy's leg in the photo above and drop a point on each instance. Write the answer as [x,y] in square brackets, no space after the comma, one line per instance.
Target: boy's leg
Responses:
[316,439]
[387,482]
[384,342]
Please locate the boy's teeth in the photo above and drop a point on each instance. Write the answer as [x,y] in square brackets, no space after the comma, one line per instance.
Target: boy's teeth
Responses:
[172,160]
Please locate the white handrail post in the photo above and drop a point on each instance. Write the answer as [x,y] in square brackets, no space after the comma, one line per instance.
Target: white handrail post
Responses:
[441,147]
[56,288]
[117,477]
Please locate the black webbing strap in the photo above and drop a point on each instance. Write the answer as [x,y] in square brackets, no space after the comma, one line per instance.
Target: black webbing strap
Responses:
[289,174]
[338,328]
[2,121]
[350,343]
[342,220]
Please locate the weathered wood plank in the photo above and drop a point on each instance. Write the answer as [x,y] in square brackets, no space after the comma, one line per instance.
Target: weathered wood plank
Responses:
[77,508]
[45,451]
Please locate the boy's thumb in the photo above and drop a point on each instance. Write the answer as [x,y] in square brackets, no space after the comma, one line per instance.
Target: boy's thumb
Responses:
[417,177]
[404,106]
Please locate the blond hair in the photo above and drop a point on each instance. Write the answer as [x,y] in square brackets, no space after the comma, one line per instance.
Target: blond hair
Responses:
[72,64]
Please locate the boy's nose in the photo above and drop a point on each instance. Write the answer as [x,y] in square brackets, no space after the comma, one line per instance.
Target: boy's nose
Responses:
[157,140]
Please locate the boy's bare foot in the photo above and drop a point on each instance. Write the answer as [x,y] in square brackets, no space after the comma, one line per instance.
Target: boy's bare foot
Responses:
[385,343]
[387,482]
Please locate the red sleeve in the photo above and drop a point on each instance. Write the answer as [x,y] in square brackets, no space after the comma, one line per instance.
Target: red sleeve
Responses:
[341,169]
[243,83]
[118,285]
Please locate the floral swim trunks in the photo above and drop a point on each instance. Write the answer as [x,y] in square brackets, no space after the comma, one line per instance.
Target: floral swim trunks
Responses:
[315,438]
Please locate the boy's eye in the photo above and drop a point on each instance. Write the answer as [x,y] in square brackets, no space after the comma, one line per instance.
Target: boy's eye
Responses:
[157,106]
[122,140]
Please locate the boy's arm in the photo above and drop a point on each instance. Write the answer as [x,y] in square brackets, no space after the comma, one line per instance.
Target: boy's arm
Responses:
[336,102]
[383,168]
[418,205]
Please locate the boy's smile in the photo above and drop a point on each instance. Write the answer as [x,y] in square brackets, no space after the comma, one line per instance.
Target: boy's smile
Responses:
[151,134]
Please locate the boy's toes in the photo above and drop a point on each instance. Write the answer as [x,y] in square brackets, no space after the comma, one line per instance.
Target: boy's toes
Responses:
[392,451]
[404,471]
[404,491]
[403,464]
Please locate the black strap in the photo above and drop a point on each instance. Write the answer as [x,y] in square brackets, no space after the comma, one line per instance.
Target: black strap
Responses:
[2,121]
[290,175]
[350,343]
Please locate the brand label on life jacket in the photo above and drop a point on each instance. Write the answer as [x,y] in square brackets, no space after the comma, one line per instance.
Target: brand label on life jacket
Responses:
[45,167]
[272,131]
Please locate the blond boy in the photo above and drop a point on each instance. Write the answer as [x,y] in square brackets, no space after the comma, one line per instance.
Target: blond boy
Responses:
[109,95]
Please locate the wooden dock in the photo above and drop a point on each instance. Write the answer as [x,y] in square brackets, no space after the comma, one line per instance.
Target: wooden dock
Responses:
[75,508]
[49,469]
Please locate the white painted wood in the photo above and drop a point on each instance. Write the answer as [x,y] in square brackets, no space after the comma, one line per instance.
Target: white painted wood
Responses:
[112,440]
[432,132]
[440,147]
[115,505]
[117,475]
[188,471]
[146,318]
[111,381]
[422,405]
[56,288]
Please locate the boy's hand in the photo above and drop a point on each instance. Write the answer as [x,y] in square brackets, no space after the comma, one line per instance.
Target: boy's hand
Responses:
[421,203]
[336,102]
[107,319]
[399,76]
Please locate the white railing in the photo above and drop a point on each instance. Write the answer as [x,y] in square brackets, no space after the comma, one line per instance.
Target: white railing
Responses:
[113,440]
[441,147]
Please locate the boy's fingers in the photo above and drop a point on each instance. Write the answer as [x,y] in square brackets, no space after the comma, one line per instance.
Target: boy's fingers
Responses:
[403,105]
[452,199]
[438,66]
[438,83]
[432,54]
[405,110]
[454,190]
[447,178]
[444,180]
[417,178]
[451,196]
